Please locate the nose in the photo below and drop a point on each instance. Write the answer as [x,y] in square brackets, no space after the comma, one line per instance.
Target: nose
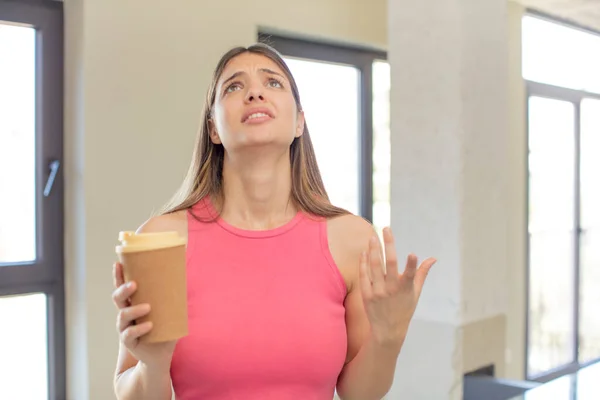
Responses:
[254,93]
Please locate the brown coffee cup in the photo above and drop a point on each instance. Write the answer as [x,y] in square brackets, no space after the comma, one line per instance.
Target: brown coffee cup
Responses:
[157,264]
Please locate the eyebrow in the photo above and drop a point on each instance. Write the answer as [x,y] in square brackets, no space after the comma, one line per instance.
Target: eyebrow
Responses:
[266,70]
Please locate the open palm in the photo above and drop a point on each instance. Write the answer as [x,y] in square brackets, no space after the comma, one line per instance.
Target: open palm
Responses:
[390,298]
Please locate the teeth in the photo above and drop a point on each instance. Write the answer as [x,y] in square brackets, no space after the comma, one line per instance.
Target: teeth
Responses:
[257,115]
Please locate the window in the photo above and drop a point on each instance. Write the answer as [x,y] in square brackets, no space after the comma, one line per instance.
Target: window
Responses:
[589,318]
[551,230]
[345,96]
[560,65]
[559,55]
[32,337]
[382,148]
[333,120]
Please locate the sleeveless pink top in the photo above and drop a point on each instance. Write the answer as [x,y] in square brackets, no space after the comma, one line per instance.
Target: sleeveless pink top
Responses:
[266,313]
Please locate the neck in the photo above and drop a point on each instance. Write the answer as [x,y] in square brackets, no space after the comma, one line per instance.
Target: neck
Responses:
[257,191]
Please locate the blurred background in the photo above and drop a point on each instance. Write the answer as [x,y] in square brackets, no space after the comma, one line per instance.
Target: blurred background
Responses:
[471,127]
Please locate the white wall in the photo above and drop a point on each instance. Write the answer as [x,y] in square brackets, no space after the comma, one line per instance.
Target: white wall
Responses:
[136,77]
[458,186]
[449,105]
[517,219]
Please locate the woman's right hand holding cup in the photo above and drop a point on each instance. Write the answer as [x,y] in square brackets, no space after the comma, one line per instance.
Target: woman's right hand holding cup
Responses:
[154,355]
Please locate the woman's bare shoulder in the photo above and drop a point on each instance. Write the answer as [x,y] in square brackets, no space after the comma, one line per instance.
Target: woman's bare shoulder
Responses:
[348,236]
[176,221]
[350,229]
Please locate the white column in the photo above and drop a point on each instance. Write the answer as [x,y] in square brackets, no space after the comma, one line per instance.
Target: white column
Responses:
[449,107]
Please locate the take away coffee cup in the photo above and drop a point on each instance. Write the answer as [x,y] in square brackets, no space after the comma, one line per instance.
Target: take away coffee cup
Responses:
[156,262]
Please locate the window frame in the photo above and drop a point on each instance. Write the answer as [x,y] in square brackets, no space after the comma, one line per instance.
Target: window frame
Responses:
[45,274]
[362,58]
[536,89]
[569,23]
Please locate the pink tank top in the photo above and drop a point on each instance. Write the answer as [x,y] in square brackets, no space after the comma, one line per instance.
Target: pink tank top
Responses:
[266,313]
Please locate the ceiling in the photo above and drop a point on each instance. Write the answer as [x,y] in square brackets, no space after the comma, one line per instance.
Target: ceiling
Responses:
[582,12]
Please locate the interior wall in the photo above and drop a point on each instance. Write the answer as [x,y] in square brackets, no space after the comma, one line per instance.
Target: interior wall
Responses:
[136,76]
[517,218]
[137,72]
[451,173]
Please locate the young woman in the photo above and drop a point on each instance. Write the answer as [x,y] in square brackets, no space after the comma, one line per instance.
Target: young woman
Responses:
[289,297]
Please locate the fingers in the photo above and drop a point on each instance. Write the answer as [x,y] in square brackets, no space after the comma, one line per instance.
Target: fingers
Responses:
[118,278]
[129,332]
[365,280]
[129,314]
[411,267]
[423,271]
[122,294]
[391,259]
[376,278]
[376,265]
[130,336]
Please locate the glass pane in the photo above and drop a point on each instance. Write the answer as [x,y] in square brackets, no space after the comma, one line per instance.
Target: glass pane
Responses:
[17,144]
[551,302]
[329,95]
[560,55]
[586,387]
[23,346]
[551,227]
[589,317]
[589,324]
[590,163]
[561,388]
[381,145]
[551,165]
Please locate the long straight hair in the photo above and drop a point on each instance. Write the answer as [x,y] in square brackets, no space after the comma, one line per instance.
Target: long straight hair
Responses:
[204,178]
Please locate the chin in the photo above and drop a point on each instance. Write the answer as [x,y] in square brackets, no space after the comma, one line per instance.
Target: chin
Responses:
[263,142]
[261,135]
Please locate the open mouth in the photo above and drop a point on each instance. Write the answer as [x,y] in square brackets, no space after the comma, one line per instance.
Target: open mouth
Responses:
[255,116]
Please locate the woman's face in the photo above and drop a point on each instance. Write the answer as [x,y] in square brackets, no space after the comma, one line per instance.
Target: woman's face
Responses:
[254,105]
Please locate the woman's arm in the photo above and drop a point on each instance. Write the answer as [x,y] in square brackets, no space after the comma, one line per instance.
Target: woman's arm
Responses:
[370,372]
[143,370]
[379,305]
[136,379]
[143,382]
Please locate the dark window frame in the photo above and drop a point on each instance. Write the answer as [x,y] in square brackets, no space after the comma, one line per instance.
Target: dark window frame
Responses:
[361,58]
[46,274]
